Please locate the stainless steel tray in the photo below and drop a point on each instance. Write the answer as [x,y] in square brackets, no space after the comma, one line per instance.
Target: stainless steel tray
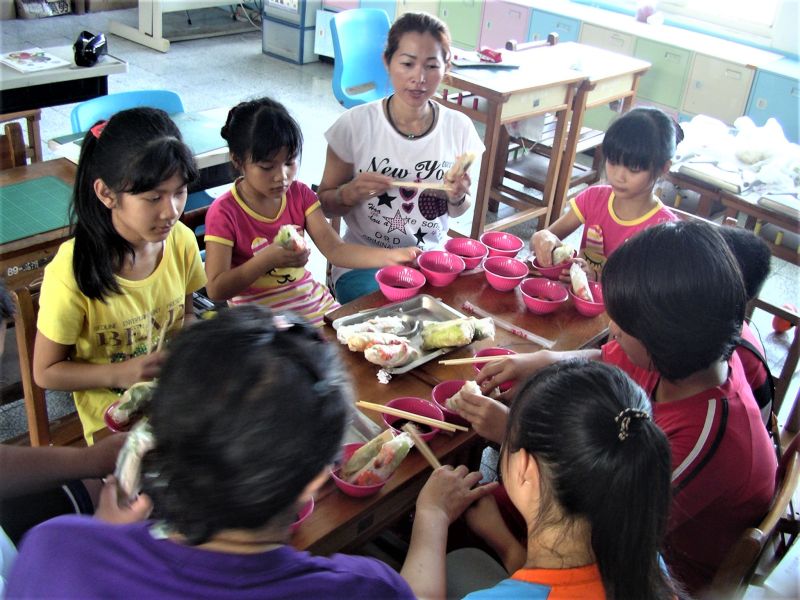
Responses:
[421,308]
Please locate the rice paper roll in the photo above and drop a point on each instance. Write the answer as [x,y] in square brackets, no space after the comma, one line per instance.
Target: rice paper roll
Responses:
[391,355]
[381,467]
[484,328]
[470,387]
[134,400]
[289,238]
[365,454]
[562,253]
[447,334]
[358,342]
[389,324]
[580,283]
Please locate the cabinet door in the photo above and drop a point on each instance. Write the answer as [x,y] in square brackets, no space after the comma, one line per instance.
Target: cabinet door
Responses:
[340,4]
[664,81]
[323,40]
[608,39]
[717,88]
[463,18]
[543,23]
[388,6]
[503,21]
[428,6]
[778,97]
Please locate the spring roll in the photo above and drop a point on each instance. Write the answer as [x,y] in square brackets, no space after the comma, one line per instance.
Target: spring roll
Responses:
[447,334]
[128,471]
[562,253]
[391,355]
[461,166]
[289,238]
[580,284]
[358,342]
[134,400]
[381,467]
[381,324]
[470,387]
[364,454]
[484,328]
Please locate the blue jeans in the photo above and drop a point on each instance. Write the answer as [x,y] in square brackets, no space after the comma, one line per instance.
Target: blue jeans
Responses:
[354,284]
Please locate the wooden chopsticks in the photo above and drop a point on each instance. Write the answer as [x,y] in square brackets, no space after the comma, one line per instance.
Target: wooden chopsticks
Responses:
[419,185]
[422,445]
[396,412]
[473,360]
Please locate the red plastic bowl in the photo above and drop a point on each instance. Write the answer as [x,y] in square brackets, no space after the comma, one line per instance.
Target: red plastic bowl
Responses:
[303,514]
[590,309]
[554,271]
[503,273]
[351,489]
[542,296]
[417,406]
[442,392]
[501,243]
[471,251]
[439,267]
[399,283]
[112,424]
[494,352]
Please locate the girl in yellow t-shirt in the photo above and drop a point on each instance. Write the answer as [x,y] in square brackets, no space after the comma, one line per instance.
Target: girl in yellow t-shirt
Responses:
[126,278]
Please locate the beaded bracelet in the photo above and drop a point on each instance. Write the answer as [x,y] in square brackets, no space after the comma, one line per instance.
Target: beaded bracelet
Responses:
[458,202]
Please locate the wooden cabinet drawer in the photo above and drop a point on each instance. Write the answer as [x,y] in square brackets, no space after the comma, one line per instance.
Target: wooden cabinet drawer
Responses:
[608,39]
[665,80]
[717,88]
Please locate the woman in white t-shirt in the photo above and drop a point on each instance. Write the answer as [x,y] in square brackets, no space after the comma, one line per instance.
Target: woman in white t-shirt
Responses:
[404,137]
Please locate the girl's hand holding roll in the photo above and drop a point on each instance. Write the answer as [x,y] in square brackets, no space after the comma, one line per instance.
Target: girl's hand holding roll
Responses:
[515,367]
[543,243]
[488,417]
[277,256]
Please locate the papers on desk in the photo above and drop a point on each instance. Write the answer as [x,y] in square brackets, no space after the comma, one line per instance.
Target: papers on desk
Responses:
[724,179]
[31,60]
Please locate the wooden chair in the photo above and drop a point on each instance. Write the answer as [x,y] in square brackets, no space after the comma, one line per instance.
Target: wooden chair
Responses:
[14,151]
[42,432]
[761,548]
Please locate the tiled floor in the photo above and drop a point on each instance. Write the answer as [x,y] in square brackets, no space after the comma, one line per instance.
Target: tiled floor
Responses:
[221,71]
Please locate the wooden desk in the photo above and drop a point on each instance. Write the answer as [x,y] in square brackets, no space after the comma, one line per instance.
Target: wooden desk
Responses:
[23,260]
[495,97]
[341,523]
[53,87]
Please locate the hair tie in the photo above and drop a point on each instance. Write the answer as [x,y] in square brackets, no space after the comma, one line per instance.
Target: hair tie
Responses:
[98,129]
[623,419]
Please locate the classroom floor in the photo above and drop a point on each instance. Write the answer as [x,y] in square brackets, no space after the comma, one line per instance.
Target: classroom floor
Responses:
[219,72]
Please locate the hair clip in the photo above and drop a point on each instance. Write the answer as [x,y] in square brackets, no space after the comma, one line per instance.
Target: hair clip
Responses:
[623,419]
[98,129]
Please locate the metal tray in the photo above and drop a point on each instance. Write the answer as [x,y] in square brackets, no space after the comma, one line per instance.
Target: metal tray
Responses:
[422,308]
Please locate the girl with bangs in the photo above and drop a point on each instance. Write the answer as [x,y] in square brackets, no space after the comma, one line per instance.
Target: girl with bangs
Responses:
[638,148]
[126,279]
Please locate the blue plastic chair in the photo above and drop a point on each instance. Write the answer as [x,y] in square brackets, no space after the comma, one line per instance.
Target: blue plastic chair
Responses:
[359,39]
[87,113]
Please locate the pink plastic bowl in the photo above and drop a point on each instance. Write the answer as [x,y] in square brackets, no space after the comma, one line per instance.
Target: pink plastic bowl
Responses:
[441,393]
[494,352]
[501,243]
[417,406]
[112,424]
[399,283]
[590,309]
[440,268]
[554,271]
[303,514]
[351,489]
[542,296]
[503,273]
[472,251]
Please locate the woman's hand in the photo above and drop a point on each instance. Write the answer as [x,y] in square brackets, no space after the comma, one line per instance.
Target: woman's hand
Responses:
[109,510]
[564,277]
[140,368]
[449,492]
[457,188]
[543,243]
[488,417]
[364,186]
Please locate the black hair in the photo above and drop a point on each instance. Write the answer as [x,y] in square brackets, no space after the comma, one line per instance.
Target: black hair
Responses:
[753,256]
[676,288]
[566,417]
[256,130]
[7,309]
[135,151]
[643,139]
[417,22]
[249,408]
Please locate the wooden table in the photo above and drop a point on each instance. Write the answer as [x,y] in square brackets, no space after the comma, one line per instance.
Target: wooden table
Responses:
[560,79]
[53,87]
[23,260]
[341,523]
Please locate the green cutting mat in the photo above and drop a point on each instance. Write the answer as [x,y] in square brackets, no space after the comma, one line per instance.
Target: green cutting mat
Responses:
[32,207]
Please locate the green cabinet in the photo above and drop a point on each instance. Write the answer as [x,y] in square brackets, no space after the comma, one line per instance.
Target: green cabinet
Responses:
[666,79]
[463,18]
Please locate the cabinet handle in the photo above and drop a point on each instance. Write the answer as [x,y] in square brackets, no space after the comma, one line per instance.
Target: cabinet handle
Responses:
[514,14]
[672,56]
[795,92]
[563,26]
[618,40]
[732,74]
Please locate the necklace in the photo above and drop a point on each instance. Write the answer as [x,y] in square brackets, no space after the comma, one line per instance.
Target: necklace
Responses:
[410,136]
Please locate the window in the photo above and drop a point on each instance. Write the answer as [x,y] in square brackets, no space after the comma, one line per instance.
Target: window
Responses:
[740,15]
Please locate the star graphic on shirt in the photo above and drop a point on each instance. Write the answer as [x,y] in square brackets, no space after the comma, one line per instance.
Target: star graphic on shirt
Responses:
[385,200]
[420,236]
[396,223]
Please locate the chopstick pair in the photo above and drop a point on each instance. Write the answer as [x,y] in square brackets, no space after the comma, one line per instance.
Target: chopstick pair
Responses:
[472,360]
[396,412]
[419,185]
[422,445]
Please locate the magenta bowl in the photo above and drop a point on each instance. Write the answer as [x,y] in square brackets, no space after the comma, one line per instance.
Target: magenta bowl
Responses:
[439,267]
[471,251]
[494,352]
[112,424]
[351,489]
[542,296]
[501,243]
[399,283]
[417,406]
[303,514]
[554,271]
[590,309]
[503,273]
[442,392]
